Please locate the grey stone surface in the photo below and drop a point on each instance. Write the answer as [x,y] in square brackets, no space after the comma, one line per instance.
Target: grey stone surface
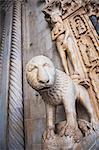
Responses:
[38,129]
[36,146]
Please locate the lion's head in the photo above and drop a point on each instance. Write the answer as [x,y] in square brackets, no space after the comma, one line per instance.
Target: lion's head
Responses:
[40,72]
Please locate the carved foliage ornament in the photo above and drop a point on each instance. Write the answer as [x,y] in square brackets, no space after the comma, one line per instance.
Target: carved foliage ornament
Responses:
[66,7]
[53,7]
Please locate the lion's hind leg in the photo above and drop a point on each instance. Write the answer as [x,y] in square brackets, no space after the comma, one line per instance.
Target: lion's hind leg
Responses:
[85,101]
[71,128]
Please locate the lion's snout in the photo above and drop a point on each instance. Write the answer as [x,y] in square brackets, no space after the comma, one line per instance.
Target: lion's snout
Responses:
[42,76]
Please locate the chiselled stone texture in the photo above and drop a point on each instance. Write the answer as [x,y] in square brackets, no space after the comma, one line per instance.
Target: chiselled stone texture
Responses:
[15,108]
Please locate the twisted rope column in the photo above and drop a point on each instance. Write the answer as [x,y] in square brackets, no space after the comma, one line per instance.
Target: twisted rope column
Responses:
[4,73]
[1,56]
[15,109]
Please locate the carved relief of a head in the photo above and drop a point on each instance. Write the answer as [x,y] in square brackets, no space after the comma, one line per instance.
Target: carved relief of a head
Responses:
[40,72]
[55,17]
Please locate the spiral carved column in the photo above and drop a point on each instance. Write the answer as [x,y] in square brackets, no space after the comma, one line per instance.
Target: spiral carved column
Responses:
[15,109]
[1,56]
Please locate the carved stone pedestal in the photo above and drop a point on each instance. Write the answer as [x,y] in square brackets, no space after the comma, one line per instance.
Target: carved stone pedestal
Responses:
[58,143]
[66,143]
[90,141]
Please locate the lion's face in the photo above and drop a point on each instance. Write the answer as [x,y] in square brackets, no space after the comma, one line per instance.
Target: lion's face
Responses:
[40,72]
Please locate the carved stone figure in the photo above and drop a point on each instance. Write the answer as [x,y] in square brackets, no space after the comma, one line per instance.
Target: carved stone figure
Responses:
[57,88]
[66,48]
[63,51]
[80,25]
[58,25]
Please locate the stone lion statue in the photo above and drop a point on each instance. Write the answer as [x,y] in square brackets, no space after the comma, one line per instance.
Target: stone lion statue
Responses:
[56,88]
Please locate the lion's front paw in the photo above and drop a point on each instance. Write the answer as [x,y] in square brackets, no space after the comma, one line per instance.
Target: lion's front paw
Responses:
[49,134]
[73,132]
[87,127]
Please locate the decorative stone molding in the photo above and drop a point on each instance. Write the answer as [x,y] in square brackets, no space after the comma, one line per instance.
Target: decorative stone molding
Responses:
[53,7]
[15,117]
[92,7]
[66,7]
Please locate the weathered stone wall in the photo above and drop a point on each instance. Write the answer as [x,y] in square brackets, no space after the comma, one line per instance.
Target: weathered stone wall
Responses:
[36,41]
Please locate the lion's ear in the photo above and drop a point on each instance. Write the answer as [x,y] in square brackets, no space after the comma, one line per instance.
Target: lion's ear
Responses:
[30,67]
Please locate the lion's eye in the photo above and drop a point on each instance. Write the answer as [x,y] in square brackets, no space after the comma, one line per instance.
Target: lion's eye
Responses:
[46,65]
[31,68]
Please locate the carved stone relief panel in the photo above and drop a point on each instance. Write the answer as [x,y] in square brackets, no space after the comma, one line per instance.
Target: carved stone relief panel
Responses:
[73,32]
[66,45]
[86,42]
[78,25]
[94,76]
[88,50]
